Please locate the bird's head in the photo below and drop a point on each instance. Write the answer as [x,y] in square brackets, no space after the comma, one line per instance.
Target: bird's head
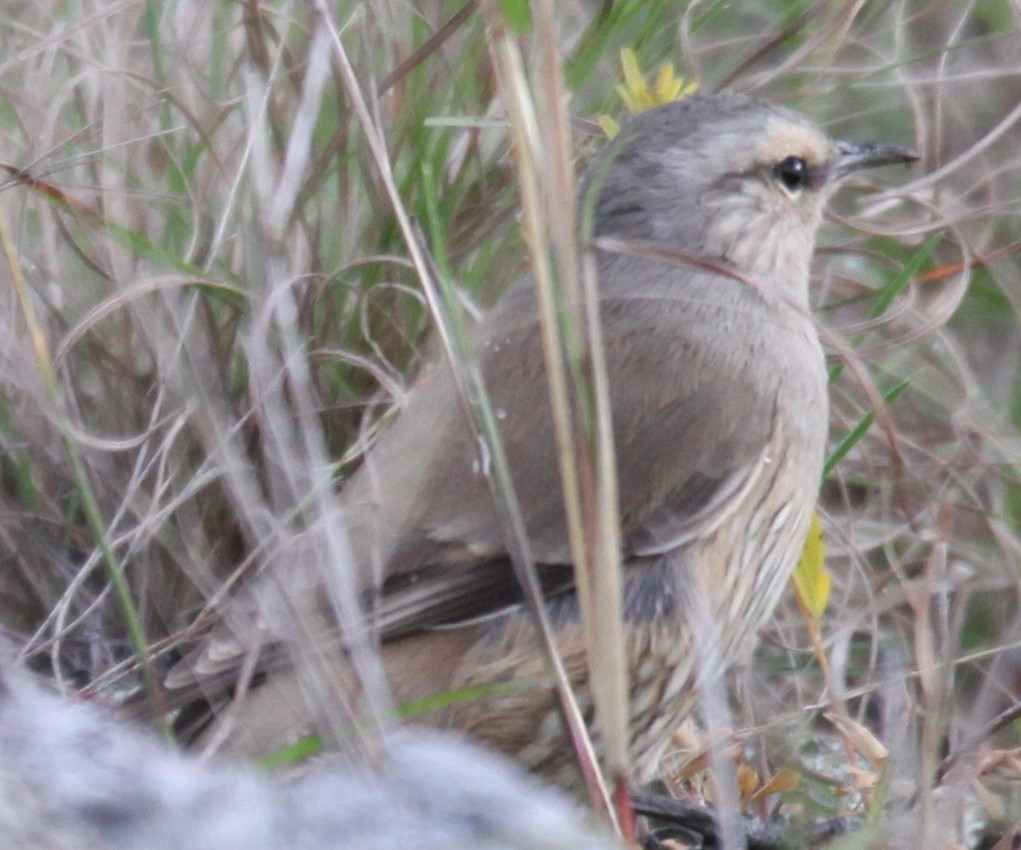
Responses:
[733,180]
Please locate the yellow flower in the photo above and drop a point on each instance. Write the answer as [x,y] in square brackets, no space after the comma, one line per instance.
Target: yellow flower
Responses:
[639,96]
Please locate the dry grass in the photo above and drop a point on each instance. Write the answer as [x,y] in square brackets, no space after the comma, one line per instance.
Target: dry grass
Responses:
[221,298]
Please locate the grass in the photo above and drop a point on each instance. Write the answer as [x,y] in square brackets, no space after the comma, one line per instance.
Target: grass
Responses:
[221,300]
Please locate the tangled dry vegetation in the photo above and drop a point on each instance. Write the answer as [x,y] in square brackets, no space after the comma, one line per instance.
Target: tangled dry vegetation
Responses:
[208,302]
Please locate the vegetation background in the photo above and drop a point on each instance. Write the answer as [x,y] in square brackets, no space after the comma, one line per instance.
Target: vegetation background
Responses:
[208,302]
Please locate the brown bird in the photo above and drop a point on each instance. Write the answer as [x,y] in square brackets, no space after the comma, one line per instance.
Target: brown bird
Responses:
[719,403]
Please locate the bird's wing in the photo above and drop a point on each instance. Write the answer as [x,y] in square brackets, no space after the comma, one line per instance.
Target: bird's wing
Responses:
[687,451]
[426,539]
[681,388]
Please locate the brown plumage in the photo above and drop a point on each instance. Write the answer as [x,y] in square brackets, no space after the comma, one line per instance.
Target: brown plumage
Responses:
[719,405]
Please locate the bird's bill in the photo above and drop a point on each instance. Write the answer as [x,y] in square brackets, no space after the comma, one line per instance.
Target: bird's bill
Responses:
[854,156]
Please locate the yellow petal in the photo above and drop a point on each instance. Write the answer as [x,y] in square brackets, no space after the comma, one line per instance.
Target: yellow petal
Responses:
[609,125]
[668,84]
[633,79]
[629,100]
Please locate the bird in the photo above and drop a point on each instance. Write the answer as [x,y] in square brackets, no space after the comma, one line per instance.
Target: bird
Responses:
[705,217]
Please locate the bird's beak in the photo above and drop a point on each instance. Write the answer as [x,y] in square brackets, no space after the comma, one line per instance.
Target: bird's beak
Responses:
[854,156]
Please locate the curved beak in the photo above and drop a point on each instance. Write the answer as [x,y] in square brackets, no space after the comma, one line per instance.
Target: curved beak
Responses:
[854,156]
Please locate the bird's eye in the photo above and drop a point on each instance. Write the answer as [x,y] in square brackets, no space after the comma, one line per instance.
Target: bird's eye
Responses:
[793,172]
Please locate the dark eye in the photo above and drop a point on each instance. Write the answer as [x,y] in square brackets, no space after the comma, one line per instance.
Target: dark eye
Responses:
[793,173]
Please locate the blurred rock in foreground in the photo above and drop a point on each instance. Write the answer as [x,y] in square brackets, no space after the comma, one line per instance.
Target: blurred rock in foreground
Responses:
[72,778]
